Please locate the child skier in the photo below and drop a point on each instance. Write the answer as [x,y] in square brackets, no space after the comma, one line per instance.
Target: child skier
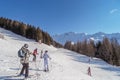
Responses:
[45,57]
[34,54]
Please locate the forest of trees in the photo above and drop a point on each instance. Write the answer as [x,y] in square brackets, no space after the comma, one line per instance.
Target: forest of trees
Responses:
[108,50]
[28,31]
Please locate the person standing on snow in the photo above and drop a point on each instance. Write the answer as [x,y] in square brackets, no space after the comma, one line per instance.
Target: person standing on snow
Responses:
[25,61]
[45,57]
[34,54]
[41,54]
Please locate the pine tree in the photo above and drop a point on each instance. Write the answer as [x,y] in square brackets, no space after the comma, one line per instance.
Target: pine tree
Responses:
[38,34]
[91,48]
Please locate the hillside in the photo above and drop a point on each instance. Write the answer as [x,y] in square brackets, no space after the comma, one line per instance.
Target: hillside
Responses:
[28,31]
[65,64]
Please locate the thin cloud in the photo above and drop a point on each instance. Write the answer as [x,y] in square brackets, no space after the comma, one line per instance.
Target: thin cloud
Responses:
[114,11]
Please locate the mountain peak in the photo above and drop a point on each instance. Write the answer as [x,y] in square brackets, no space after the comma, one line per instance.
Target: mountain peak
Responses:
[69,33]
[74,37]
[99,33]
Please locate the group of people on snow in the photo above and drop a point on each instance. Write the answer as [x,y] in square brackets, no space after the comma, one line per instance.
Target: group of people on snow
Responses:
[25,59]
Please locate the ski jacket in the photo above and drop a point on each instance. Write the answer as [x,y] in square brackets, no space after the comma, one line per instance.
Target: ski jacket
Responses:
[27,55]
[35,52]
[46,56]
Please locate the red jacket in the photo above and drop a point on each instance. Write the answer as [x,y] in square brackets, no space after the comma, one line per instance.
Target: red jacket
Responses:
[35,52]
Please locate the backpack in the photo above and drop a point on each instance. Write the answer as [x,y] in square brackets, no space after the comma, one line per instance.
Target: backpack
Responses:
[21,53]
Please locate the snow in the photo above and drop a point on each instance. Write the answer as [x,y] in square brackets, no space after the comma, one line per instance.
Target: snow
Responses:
[92,38]
[64,65]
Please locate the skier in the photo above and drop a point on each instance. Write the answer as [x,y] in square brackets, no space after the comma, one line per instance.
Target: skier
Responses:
[25,61]
[89,71]
[46,56]
[41,54]
[34,54]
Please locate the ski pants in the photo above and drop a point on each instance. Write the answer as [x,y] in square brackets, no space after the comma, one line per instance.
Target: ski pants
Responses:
[25,68]
[46,64]
[34,57]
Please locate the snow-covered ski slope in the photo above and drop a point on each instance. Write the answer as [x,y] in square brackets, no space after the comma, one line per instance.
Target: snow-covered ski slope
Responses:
[64,65]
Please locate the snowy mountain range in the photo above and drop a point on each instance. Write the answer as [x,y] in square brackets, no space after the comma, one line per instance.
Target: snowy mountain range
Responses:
[64,65]
[74,37]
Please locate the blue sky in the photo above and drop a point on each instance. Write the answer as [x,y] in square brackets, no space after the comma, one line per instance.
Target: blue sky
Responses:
[60,16]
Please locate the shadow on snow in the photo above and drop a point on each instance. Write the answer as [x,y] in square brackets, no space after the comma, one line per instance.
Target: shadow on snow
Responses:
[8,78]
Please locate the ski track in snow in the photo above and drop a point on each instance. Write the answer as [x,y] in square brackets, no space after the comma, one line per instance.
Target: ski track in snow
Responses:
[65,64]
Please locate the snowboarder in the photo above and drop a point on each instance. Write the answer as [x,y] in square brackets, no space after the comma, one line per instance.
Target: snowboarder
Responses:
[34,54]
[25,61]
[46,56]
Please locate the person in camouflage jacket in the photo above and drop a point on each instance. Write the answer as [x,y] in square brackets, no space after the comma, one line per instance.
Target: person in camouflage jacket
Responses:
[25,61]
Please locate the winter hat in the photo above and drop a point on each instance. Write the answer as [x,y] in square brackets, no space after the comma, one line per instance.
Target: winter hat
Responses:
[26,45]
[46,51]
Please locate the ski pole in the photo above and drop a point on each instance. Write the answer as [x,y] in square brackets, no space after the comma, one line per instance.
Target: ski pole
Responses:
[50,64]
[19,66]
[18,69]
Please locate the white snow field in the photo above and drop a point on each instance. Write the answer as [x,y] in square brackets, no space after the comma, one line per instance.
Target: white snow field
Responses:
[64,65]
